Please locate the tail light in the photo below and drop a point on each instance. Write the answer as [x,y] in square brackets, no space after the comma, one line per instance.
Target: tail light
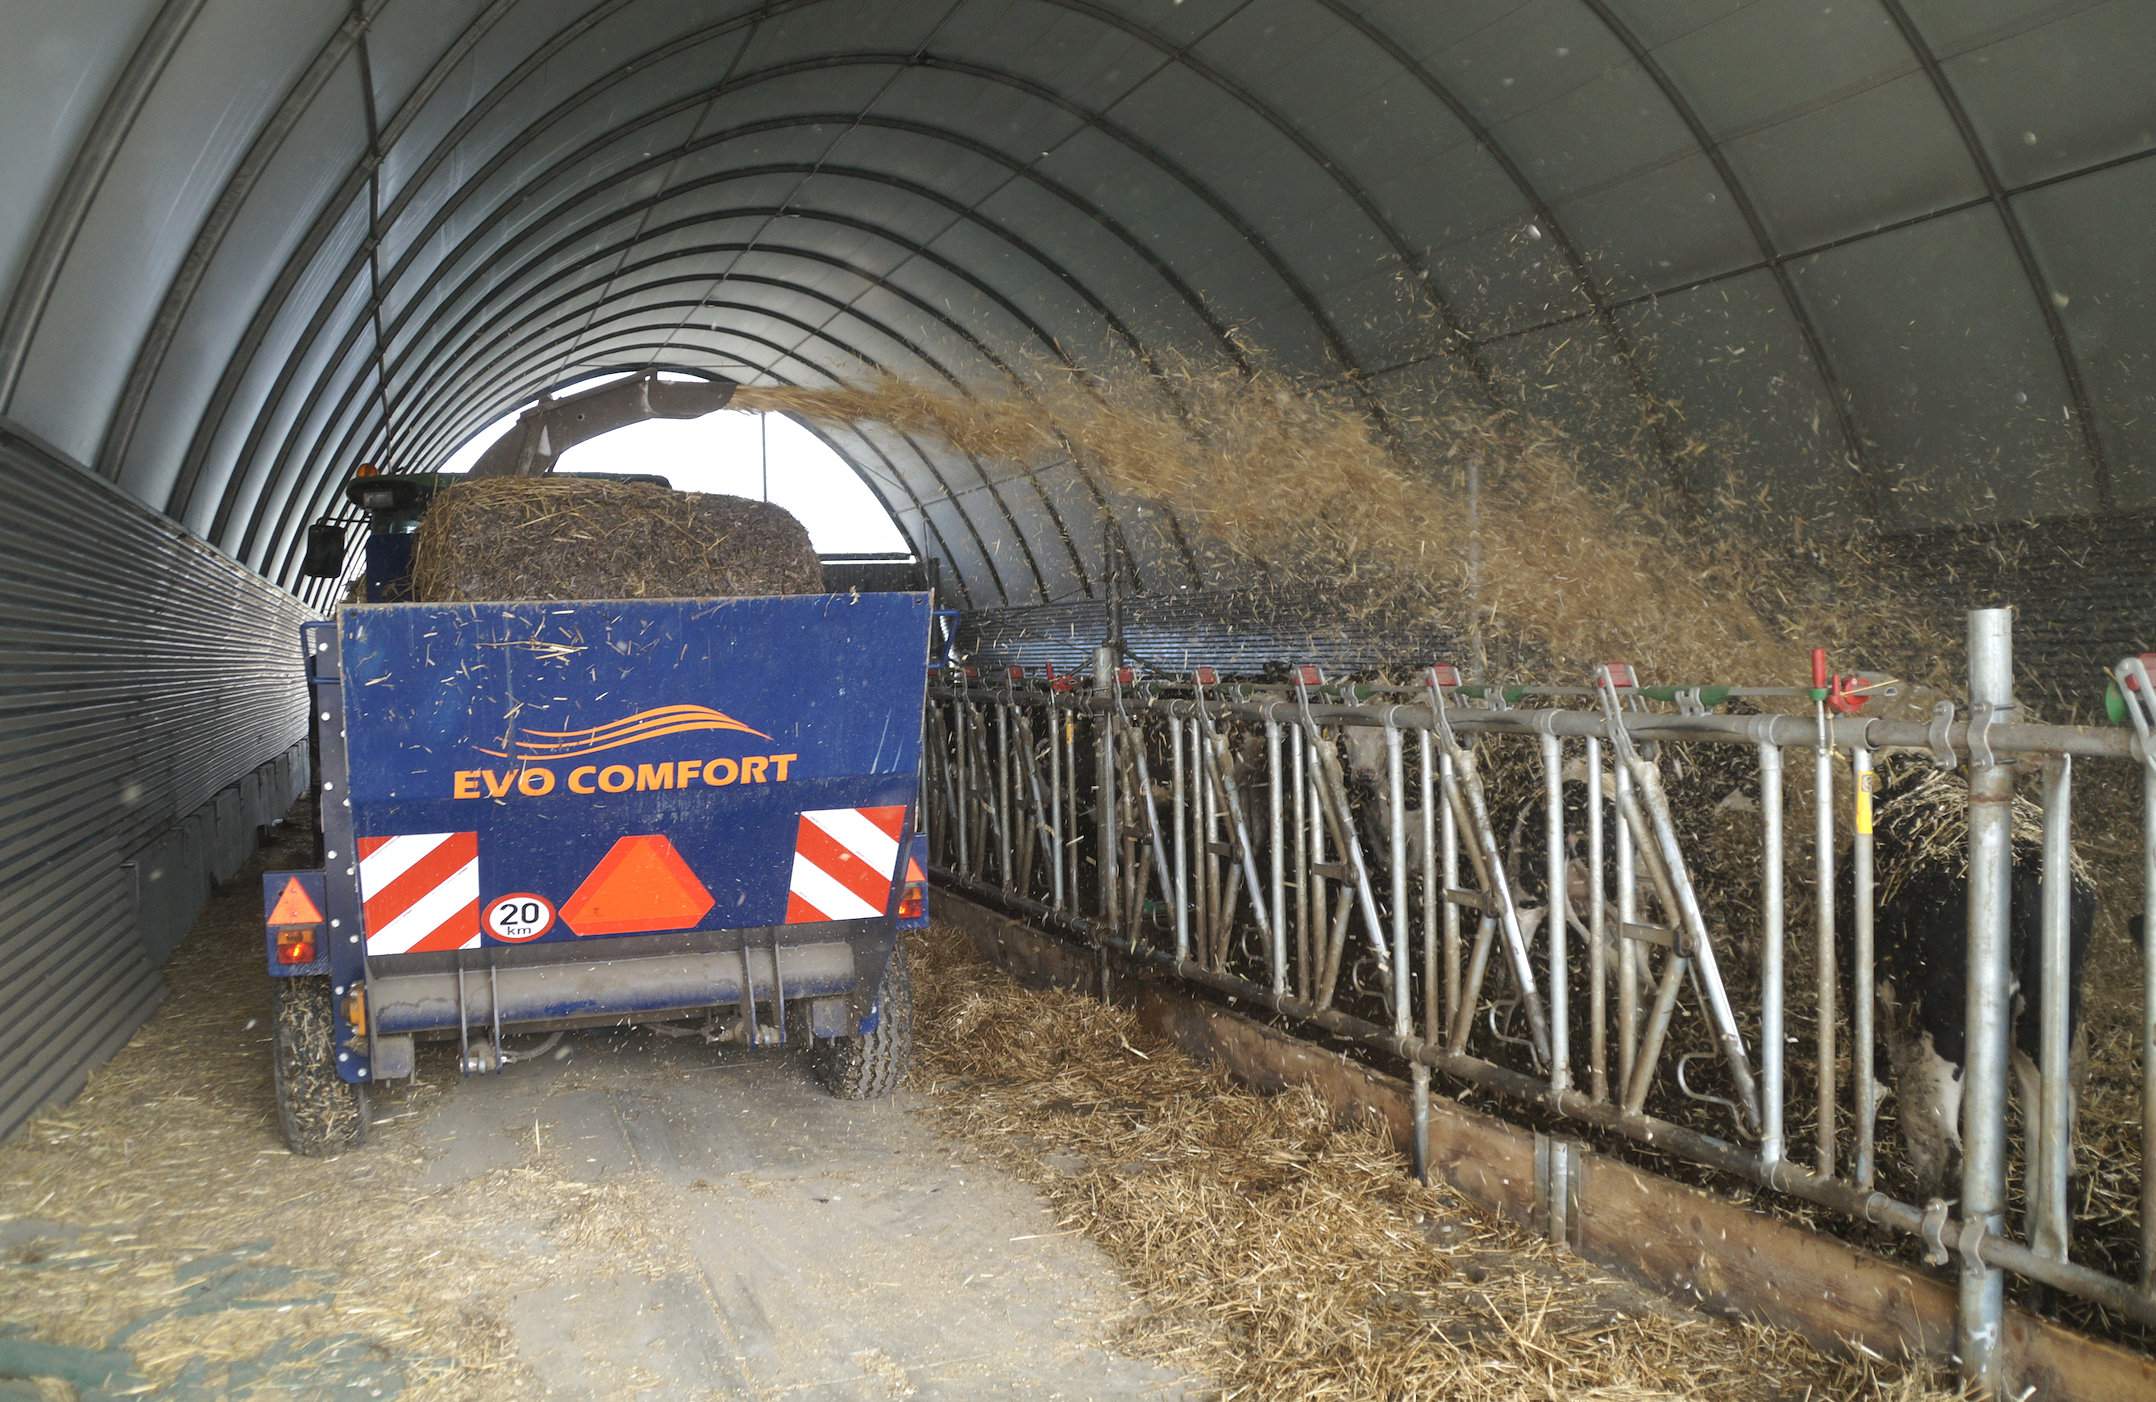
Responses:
[913,901]
[296,946]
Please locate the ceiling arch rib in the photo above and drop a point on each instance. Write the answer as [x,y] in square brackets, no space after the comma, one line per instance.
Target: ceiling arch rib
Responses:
[1185,55]
[365,438]
[1301,294]
[474,315]
[451,143]
[579,238]
[1590,286]
[2062,345]
[326,477]
[1145,104]
[453,422]
[87,167]
[461,421]
[1748,209]
[322,475]
[1096,300]
[511,390]
[522,359]
[223,215]
[506,369]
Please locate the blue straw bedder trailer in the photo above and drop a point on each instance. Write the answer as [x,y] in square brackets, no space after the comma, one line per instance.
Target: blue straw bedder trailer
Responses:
[538,816]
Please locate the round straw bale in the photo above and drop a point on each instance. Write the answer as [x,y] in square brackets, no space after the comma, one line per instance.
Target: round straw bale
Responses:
[559,538]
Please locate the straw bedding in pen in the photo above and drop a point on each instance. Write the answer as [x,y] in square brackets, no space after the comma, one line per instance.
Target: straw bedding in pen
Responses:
[1284,1255]
[561,538]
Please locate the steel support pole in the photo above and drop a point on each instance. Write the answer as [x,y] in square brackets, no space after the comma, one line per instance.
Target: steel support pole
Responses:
[1863,990]
[1627,948]
[1104,793]
[1425,751]
[1772,1039]
[1558,878]
[1598,972]
[1055,800]
[1275,776]
[2148,1023]
[1403,1024]
[1828,989]
[1983,1115]
[2054,1125]
[1178,818]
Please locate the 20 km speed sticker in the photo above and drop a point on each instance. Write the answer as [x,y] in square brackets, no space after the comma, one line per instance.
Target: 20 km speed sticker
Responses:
[520,916]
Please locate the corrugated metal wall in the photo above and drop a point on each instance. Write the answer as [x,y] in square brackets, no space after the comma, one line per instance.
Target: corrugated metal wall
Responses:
[151,715]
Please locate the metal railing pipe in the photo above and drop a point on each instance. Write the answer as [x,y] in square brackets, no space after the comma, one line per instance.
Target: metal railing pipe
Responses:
[1983,1116]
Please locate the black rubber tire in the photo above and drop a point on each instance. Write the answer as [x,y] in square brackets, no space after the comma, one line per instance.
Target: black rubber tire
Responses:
[870,1068]
[320,1114]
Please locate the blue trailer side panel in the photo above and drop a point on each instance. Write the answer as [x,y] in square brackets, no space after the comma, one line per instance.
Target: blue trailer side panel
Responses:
[526,773]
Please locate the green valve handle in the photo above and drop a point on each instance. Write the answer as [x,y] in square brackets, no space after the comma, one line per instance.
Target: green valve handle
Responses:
[2114,704]
[1709,696]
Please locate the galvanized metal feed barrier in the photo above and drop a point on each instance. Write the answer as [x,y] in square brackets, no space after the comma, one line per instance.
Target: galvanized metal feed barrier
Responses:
[1336,855]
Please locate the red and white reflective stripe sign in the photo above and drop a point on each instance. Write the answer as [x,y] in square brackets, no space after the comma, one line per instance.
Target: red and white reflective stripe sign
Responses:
[843,862]
[420,892]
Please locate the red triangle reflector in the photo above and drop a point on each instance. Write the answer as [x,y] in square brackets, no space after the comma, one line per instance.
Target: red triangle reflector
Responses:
[294,906]
[642,884]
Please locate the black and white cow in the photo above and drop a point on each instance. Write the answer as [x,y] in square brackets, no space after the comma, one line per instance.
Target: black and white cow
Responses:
[1921,937]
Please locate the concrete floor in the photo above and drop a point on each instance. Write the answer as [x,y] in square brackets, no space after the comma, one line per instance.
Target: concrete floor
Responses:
[628,1214]
[807,1247]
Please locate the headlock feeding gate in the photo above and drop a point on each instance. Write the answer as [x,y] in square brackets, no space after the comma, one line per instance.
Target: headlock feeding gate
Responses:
[1599,902]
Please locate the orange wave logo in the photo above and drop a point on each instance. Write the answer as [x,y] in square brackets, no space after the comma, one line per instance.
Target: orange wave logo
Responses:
[533,745]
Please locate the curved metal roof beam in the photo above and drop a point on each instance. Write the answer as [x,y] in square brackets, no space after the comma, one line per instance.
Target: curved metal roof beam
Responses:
[325,223]
[231,200]
[576,236]
[1741,198]
[452,424]
[306,495]
[511,366]
[326,475]
[457,424]
[374,436]
[575,239]
[1544,214]
[1077,285]
[61,223]
[721,342]
[1187,294]
[1182,56]
[942,549]
[2062,344]
[1098,304]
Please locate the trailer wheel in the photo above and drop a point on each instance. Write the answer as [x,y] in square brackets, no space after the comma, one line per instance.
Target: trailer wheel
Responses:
[869,1068]
[321,1114]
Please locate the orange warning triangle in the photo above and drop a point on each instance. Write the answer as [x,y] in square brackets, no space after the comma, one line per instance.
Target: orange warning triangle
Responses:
[642,884]
[294,906]
[914,872]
